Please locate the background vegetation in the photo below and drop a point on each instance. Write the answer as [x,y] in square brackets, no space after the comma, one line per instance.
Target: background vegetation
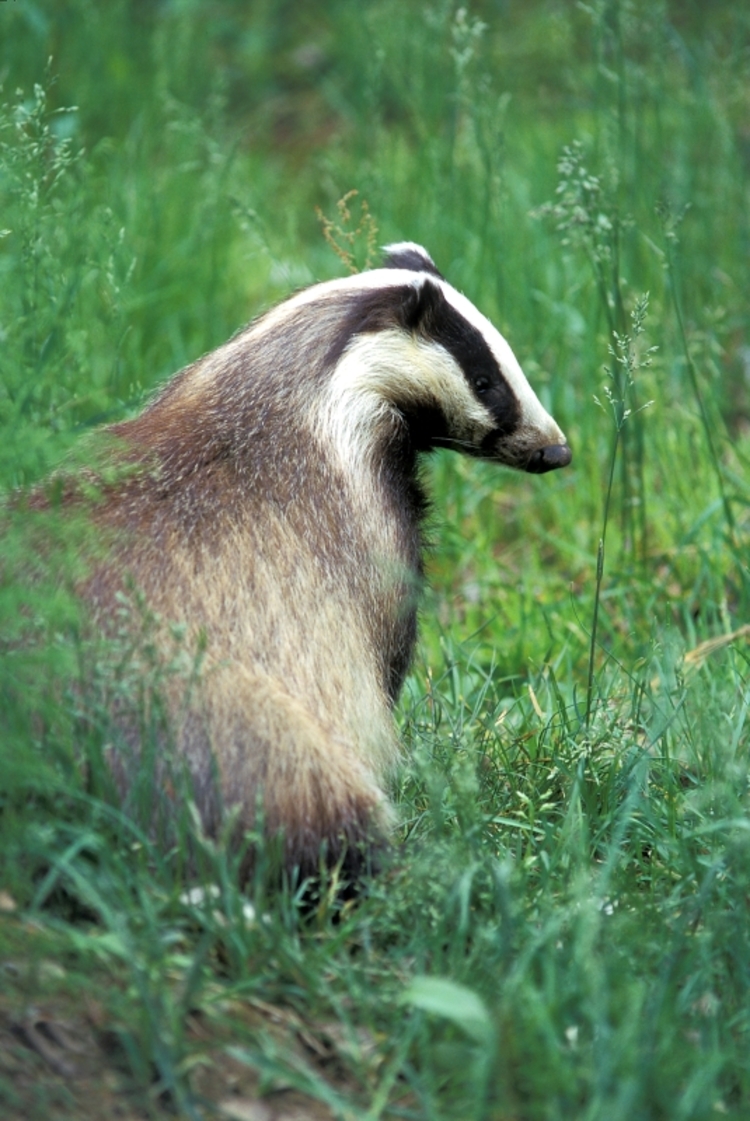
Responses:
[564,932]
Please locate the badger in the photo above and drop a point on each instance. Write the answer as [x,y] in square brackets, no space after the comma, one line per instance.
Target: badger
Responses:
[272,504]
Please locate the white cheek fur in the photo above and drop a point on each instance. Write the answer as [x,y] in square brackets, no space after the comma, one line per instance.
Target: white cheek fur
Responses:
[383,373]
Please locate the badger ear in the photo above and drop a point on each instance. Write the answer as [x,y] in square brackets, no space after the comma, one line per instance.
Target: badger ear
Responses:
[420,305]
[409,255]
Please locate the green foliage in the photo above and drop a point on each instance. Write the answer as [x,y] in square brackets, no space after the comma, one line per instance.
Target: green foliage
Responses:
[562,931]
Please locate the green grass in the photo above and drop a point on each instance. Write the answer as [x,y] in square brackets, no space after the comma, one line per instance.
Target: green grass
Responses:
[563,931]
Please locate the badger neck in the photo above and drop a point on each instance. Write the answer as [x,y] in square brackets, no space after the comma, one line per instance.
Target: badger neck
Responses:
[367,420]
[369,444]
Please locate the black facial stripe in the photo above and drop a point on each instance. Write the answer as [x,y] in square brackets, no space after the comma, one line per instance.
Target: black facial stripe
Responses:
[468,347]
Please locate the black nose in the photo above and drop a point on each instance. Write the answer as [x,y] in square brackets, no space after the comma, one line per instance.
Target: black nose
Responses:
[547,459]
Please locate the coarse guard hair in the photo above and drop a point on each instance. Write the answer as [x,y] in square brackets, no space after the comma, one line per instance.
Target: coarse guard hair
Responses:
[271,506]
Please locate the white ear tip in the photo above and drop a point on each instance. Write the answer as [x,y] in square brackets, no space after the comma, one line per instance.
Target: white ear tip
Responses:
[408,255]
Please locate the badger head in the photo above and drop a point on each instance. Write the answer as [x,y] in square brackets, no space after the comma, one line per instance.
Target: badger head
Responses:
[418,349]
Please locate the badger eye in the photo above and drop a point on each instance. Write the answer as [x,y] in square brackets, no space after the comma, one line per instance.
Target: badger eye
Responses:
[481,385]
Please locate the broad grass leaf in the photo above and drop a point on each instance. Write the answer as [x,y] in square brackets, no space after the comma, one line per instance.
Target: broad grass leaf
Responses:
[453,1002]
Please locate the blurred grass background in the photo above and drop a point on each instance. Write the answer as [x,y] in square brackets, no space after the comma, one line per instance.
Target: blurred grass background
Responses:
[564,932]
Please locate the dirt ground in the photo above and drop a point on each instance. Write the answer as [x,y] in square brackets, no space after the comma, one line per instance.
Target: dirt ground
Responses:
[63,1056]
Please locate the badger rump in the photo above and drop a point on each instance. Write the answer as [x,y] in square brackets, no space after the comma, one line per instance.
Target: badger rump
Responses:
[270,504]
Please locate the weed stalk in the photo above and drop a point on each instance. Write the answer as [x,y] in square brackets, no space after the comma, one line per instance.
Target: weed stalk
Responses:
[587,214]
[625,362]
[670,221]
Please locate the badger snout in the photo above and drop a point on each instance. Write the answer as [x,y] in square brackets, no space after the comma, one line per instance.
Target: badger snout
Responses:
[549,459]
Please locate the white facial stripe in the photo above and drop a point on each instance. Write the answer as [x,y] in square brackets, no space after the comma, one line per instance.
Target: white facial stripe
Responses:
[330,289]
